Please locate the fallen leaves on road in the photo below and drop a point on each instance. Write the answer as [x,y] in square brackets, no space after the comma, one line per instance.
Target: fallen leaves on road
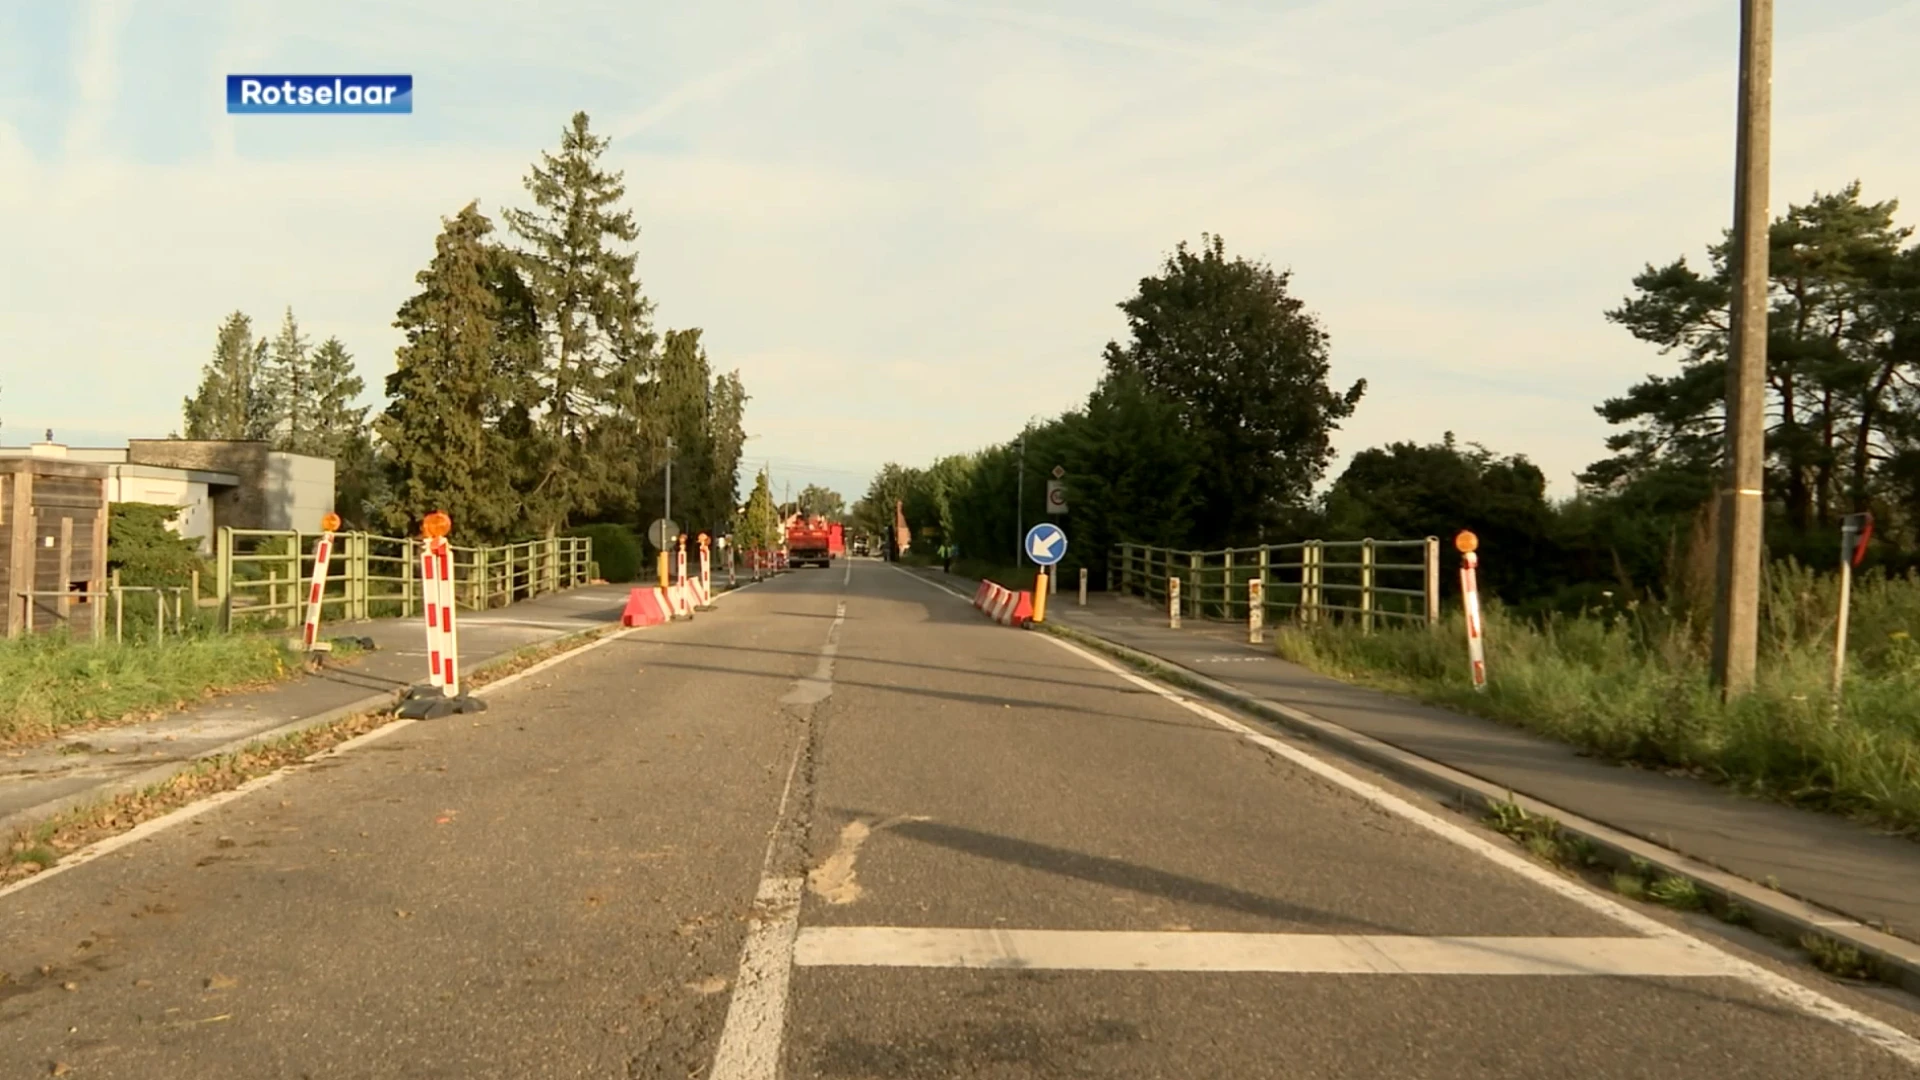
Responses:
[712,984]
[221,982]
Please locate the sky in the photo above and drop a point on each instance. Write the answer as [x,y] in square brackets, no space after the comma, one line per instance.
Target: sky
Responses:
[908,223]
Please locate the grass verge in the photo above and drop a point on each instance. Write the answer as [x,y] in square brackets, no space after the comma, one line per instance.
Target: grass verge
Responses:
[41,846]
[49,685]
[1631,686]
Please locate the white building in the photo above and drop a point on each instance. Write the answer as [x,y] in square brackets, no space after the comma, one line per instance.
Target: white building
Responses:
[267,489]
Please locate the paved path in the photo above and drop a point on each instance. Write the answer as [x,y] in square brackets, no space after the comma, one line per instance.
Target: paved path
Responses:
[84,764]
[845,827]
[1821,858]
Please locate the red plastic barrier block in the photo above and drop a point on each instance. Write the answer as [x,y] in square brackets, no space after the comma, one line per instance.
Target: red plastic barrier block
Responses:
[643,609]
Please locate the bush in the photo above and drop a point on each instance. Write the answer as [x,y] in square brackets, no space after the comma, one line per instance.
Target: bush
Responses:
[1632,685]
[145,550]
[616,548]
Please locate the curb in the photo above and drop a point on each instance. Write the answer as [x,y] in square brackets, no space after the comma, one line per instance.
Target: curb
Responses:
[146,778]
[1771,912]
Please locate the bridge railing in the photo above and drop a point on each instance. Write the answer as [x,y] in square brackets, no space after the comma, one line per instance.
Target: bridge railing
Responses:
[1364,582]
[263,575]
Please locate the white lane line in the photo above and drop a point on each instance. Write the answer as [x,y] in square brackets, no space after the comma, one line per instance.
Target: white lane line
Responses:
[1809,1001]
[1304,954]
[192,810]
[750,1039]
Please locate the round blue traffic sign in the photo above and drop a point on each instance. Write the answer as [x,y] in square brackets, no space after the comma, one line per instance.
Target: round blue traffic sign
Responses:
[1046,544]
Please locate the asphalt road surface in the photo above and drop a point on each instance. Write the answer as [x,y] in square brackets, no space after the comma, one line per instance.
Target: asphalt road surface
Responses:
[844,827]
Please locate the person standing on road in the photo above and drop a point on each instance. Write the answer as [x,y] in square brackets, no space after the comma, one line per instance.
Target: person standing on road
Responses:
[947,552]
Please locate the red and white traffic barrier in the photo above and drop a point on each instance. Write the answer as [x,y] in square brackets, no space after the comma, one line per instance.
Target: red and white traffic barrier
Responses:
[647,607]
[1467,543]
[1004,605]
[442,694]
[322,555]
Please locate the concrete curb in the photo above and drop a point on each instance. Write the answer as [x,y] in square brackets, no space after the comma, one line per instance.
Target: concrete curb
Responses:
[373,703]
[1771,912]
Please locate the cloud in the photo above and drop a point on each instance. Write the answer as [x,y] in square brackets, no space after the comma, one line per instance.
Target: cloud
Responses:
[908,222]
[97,76]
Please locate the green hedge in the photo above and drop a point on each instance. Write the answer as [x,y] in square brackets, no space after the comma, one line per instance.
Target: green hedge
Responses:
[616,548]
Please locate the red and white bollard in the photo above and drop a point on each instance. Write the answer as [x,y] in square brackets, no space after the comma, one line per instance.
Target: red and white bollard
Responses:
[1467,543]
[441,696]
[705,591]
[322,556]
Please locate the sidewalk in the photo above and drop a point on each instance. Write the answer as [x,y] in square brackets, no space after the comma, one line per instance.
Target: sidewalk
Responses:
[83,766]
[1825,860]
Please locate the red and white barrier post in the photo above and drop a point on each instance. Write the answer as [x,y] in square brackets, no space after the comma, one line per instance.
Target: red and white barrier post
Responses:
[1173,603]
[1467,543]
[441,695]
[1256,610]
[705,591]
[322,556]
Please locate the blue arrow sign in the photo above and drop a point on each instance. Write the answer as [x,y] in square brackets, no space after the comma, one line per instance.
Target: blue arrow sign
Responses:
[1046,544]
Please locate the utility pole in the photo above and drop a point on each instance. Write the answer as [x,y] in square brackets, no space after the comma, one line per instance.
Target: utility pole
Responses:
[1020,504]
[1736,609]
[668,513]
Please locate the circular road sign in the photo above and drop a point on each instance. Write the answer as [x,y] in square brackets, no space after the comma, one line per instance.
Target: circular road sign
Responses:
[1046,544]
[662,533]
[1056,498]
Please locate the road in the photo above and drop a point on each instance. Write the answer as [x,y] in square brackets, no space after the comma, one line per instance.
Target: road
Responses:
[844,827]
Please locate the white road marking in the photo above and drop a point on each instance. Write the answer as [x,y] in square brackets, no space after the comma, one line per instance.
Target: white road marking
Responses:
[756,1020]
[145,829]
[1311,954]
[1804,998]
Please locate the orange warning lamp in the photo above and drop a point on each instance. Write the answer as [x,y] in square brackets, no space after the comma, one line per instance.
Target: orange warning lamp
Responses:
[436,525]
[330,522]
[1466,542]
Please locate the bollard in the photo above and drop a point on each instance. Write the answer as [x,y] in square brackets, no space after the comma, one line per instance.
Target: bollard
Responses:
[322,556]
[1083,586]
[1173,603]
[441,696]
[1256,610]
[1040,586]
[706,574]
[1466,542]
[662,568]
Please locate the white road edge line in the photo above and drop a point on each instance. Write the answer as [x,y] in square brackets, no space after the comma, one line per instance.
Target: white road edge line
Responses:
[168,820]
[1804,998]
[751,1036]
[1297,954]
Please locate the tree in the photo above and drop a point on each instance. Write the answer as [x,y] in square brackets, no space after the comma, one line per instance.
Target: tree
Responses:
[1838,360]
[821,501]
[285,388]
[726,440]
[1404,491]
[443,451]
[1133,470]
[760,524]
[1247,365]
[231,402]
[595,324]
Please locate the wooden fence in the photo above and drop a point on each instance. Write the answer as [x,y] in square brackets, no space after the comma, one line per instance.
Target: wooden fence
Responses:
[1367,582]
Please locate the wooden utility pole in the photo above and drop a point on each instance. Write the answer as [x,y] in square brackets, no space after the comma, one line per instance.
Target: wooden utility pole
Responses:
[1736,611]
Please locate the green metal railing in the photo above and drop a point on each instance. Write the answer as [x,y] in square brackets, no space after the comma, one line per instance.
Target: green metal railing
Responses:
[263,575]
[1361,581]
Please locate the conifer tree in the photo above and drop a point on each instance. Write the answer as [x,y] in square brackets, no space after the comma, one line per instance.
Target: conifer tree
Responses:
[285,389]
[229,403]
[443,452]
[594,323]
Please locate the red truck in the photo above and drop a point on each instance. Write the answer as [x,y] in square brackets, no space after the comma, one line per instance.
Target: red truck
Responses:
[809,540]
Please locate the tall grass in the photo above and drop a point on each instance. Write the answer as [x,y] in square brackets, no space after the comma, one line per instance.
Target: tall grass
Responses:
[1630,684]
[49,684]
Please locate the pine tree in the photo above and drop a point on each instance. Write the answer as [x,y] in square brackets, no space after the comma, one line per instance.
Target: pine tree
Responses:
[760,525]
[230,403]
[284,388]
[726,438]
[593,319]
[442,451]
[333,420]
